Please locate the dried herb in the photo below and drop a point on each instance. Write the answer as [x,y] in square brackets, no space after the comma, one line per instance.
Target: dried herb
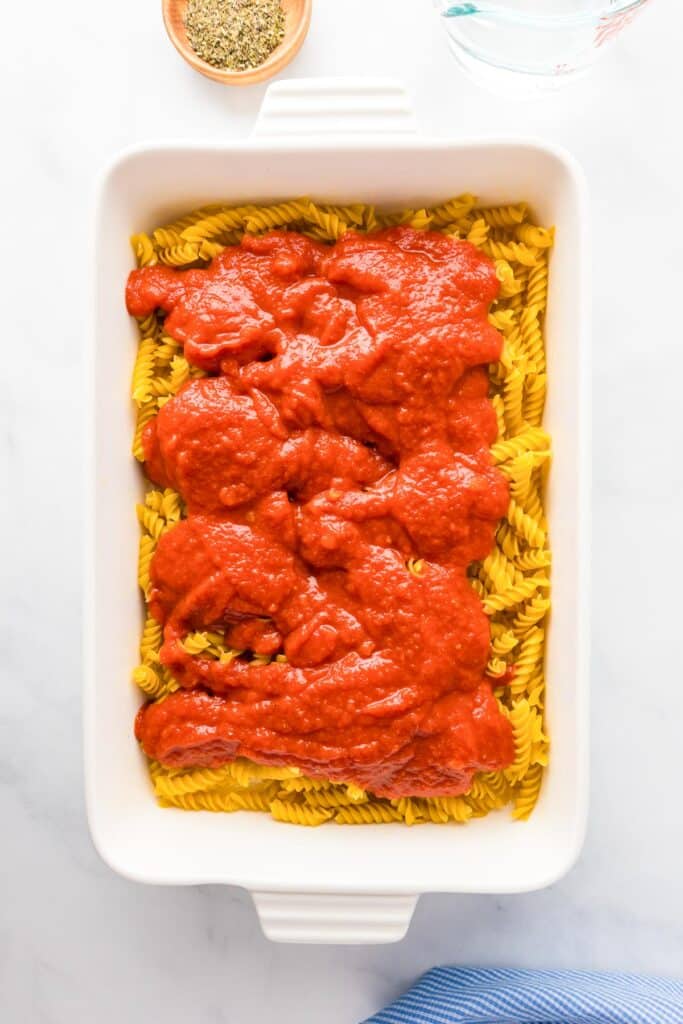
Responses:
[234,34]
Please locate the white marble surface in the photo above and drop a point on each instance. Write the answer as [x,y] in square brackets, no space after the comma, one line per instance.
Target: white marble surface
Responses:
[79,944]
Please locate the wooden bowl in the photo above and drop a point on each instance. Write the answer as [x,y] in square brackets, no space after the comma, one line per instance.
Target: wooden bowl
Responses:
[297,20]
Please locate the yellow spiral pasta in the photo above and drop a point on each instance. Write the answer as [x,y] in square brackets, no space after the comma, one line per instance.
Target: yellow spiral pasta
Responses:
[215,801]
[498,404]
[146,551]
[508,541]
[504,320]
[478,587]
[216,226]
[194,217]
[332,797]
[534,558]
[537,286]
[145,415]
[150,641]
[254,799]
[521,719]
[513,252]
[143,371]
[457,808]
[479,233]
[513,400]
[151,521]
[490,791]
[430,810]
[166,349]
[154,500]
[352,214]
[171,506]
[528,440]
[533,236]
[534,398]
[302,784]
[497,571]
[331,225]
[514,595]
[376,813]
[532,338]
[152,683]
[453,210]
[409,809]
[143,247]
[163,238]
[200,643]
[528,528]
[510,285]
[503,642]
[528,660]
[266,218]
[536,696]
[527,793]
[193,781]
[512,581]
[531,613]
[504,216]
[421,220]
[299,814]
[524,484]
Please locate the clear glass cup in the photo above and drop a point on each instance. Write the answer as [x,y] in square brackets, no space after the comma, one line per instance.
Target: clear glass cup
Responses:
[529,46]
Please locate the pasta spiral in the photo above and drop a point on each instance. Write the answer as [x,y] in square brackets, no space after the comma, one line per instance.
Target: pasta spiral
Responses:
[190,782]
[489,792]
[533,236]
[299,814]
[453,210]
[204,801]
[331,224]
[367,814]
[537,287]
[332,797]
[528,659]
[478,233]
[217,225]
[530,439]
[456,808]
[143,247]
[504,216]
[525,525]
[266,218]
[514,252]
[253,799]
[150,642]
[151,683]
[527,794]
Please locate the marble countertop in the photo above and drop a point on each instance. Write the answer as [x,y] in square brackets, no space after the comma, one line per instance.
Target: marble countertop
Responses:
[80,944]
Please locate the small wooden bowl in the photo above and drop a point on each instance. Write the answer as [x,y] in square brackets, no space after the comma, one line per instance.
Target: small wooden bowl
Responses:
[297,20]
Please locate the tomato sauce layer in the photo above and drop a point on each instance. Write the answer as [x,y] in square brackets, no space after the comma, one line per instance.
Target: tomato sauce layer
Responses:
[338,484]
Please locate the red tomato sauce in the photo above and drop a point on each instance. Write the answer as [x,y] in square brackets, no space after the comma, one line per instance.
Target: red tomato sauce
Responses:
[340,441]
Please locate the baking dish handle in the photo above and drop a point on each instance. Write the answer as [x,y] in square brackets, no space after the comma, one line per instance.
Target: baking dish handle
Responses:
[335,107]
[333,918]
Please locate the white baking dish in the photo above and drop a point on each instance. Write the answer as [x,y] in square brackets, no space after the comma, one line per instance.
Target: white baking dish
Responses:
[335,140]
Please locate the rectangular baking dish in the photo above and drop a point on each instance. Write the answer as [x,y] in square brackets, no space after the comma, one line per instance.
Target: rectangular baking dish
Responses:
[336,140]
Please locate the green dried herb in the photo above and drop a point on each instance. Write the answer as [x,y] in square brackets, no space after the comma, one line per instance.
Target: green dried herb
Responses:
[234,34]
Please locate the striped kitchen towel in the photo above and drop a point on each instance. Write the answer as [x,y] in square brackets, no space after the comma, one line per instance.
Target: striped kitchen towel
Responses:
[471,995]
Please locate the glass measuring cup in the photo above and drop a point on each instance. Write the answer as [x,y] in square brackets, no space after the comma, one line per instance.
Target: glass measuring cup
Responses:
[529,46]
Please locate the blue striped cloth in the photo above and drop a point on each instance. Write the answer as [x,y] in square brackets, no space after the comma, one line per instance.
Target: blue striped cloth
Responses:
[469,995]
